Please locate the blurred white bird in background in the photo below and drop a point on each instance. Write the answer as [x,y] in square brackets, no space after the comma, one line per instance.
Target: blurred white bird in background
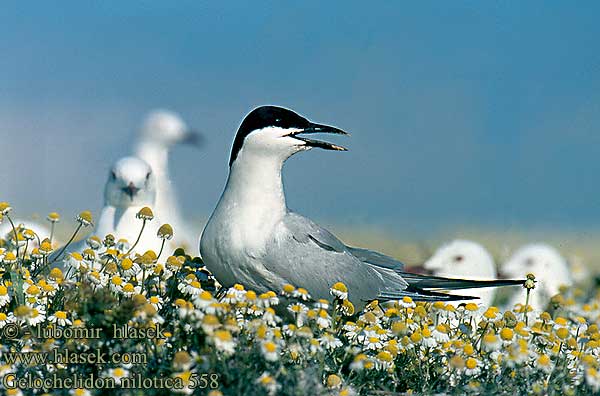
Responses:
[579,270]
[551,272]
[130,187]
[41,230]
[465,259]
[161,130]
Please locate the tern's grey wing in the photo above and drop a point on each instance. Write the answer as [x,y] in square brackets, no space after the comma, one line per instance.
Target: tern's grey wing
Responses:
[305,254]
[376,258]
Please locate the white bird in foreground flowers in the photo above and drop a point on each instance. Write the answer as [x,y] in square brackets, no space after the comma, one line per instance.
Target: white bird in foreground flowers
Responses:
[160,131]
[254,239]
[551,272]
[465,259]
[129,188]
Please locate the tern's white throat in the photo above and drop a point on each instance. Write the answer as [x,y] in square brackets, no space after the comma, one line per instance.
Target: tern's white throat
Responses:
[254,190]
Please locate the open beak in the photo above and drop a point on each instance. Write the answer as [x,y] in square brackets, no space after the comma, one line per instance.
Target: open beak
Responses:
[318,128]
[131,190]
[192,138]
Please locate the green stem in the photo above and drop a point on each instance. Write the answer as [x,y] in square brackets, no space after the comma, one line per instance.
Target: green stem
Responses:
[138,238]
[143,279]
[526,318]
[52,232]
[162,246]
[68,243]
[25,251]
[15,233]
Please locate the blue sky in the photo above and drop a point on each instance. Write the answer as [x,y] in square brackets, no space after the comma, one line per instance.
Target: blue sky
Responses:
[461,113]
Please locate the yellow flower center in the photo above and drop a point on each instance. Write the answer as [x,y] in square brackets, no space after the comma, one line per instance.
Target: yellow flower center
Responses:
[126,264]
[270,346]
[471,363]
[506,334]
[223,335]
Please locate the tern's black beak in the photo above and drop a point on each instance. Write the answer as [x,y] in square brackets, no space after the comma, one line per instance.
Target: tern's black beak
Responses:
[131,190]
[319,128]
[192,138]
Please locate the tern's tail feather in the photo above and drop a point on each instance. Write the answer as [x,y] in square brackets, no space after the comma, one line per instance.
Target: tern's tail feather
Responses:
[421,281]
[422,295]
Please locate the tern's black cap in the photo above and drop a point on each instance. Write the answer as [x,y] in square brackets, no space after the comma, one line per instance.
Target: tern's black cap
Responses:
[263,117]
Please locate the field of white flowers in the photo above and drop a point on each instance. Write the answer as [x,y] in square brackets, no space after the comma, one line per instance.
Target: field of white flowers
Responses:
[185,338]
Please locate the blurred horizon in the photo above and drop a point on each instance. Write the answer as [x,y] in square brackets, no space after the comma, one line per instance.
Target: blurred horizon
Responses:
[462,115]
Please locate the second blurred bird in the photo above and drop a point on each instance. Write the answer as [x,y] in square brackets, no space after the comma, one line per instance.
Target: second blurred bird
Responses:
[161,130]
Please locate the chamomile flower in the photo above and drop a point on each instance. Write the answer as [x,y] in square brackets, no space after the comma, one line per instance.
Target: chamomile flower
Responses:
[360,362]
[75,260]
[351,330]
[329,341]
[60,318]
[85,218]
[506,334]
[270,318]
[53,217]
[407,302]
[472,366]
[321,304]
[145,214]
[428,341]
[4,297]
[224,341]
[287,290]
[165,232]
[384,360]
[372,342]
[97,278]
[203,300]
[339,291]
[28,234]
[129,267]
[491,342]
[268,383]
[6,318]
[323,319]
[116,283]
[9,258]
[544,363]
[440,334]
[117,374]
[270,351]
[301,294]
[592,378]
[5,208]
[156,301]
[37,315]
[80,392]
[94,242]
[190,286]
[122,245]
[129,289]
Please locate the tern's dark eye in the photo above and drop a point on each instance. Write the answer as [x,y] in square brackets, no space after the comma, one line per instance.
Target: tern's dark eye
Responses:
[113,175]
[458,258]
[148,175]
